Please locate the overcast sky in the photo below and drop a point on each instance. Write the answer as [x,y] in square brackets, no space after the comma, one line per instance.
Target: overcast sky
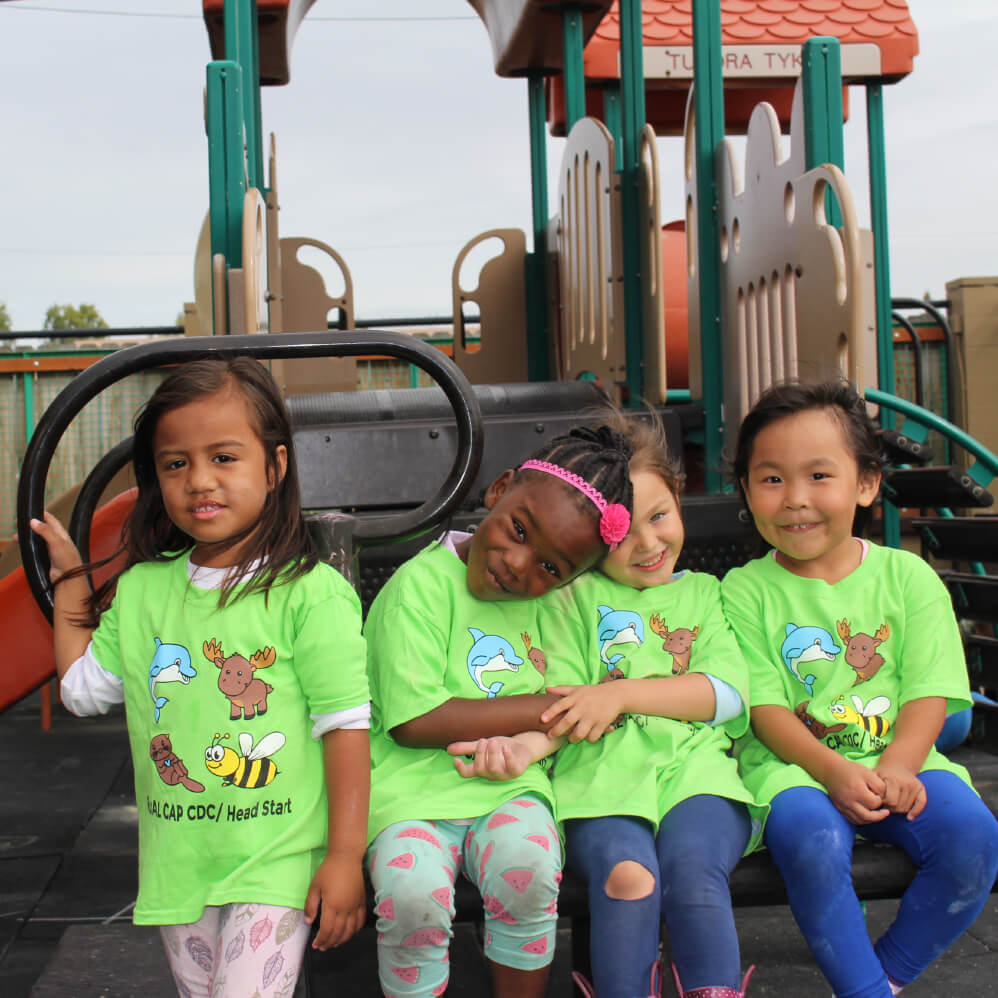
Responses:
[396,144]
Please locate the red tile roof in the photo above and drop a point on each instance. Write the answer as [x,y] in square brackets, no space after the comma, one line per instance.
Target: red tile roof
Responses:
[885,23]
[881,27]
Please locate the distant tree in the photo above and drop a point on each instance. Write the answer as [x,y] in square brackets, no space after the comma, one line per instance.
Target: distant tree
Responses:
[5,325]
[60,317]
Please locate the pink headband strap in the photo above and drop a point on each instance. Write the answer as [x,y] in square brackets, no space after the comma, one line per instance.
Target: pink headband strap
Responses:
[614,522]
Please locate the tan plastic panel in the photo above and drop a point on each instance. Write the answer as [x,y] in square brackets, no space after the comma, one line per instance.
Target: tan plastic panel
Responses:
[591,327]
[306,306]
[653,294]
[253,256]
[794,289]
[501,299]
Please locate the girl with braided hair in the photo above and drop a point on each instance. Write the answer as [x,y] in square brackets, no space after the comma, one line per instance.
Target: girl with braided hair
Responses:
[455,654]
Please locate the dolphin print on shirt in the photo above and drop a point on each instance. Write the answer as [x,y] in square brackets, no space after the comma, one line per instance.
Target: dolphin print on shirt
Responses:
[617,627]
[490,653]
[807,644]
[170,664]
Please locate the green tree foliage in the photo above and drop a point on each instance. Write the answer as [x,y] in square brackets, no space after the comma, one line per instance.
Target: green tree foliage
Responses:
[4,318]
[60,317]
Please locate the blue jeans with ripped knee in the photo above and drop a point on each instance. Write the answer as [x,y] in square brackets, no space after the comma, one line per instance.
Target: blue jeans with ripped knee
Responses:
[690,868]
[954,844]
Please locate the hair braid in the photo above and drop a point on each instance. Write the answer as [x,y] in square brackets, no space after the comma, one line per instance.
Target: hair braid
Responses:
[600,455]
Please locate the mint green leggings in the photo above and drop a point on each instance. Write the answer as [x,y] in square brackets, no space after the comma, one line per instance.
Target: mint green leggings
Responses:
[512,855]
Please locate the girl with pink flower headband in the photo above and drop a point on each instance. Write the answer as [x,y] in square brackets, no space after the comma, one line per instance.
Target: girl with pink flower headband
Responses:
[653,689]
[455,653]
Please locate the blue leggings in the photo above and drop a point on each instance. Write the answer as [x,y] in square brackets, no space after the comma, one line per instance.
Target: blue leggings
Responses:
[697,846]
[954,844]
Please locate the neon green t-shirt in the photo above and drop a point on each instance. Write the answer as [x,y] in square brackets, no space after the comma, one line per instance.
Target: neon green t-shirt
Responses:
[228,780]
[844,657]
[648,764]
[428,640]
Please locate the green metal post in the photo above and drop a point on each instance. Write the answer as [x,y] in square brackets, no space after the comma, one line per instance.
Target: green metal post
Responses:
[537,324]
[822,83]
[613,119]
[242,46]
[708,107]
[29,405]
[226,164]
[882,273]
[575,84]
[632,101]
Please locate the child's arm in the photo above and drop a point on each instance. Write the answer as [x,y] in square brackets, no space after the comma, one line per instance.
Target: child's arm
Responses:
[917,727]
[856,791]
[71,595]
[502,758]
[462,719]
[338,884]
[587,712]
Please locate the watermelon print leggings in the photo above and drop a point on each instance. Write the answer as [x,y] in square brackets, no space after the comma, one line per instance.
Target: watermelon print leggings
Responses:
[236,950]
[512,855]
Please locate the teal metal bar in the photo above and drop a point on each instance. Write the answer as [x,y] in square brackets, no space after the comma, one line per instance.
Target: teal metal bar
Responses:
[28,379]
[534,265]
[882,273]
[632,106]
[708,106]
[985,458]
[821,75]
[242,46]
[575,84]
[612,118]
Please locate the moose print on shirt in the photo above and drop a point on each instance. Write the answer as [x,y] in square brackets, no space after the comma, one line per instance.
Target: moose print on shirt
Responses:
[246,693]
[861,649]
[678,642]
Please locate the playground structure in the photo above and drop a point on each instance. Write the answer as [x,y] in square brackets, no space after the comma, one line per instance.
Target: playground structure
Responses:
[766,275]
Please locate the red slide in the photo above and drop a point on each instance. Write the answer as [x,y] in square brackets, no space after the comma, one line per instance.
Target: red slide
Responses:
[27,635]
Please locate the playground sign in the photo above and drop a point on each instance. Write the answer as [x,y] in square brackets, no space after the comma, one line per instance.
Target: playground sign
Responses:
[675,62]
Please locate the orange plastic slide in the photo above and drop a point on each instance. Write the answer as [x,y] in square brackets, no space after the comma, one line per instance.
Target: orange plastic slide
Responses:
[27,635]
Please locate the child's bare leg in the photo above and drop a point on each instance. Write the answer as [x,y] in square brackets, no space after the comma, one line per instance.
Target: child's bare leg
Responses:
[508,982]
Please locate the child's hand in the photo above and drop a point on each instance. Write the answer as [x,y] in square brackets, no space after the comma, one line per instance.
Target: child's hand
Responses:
[338,885]
[63,554]
[857,792]
[499,758]
[588,712]
[905,793]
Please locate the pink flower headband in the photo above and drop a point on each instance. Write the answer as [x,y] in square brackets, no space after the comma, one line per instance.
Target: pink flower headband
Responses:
[614,522]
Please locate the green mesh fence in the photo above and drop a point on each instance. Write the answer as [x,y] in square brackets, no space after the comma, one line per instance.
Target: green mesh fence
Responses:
[103,422]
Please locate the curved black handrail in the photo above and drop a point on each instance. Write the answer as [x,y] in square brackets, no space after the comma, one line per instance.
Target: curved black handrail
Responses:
[916,349]
[352,343]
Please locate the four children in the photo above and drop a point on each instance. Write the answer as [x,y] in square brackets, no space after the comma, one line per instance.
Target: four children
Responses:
[560,629]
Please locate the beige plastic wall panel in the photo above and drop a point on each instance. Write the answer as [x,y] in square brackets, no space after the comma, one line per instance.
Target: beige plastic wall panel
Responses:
[275,286]
[974,319]
[590,258]
[306,307]
[792,285]
[692,263]
[500,295]
[237,301]
[552,286]
[652,293]
[254,261]
[202,284]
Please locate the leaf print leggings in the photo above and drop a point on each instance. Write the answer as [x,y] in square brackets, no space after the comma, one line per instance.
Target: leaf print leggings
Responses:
[513,856]
[236,950]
